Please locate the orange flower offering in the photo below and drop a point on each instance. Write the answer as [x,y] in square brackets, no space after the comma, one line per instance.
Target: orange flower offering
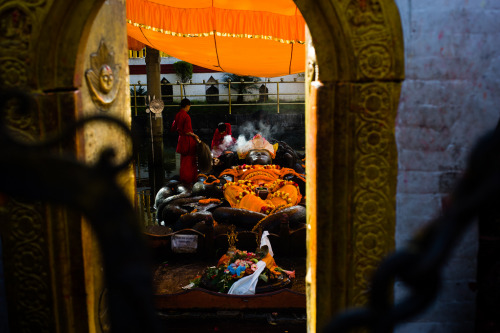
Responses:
[242,193]
[208,201]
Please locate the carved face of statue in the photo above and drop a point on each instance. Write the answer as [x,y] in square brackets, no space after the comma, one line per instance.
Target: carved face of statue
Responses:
[106,78]
[259,156]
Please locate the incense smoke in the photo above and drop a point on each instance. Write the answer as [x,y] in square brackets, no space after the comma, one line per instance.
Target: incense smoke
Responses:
[246,133]
[227,144]
[248,130]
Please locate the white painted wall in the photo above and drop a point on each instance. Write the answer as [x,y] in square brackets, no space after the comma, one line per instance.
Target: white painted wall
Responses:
[197,90]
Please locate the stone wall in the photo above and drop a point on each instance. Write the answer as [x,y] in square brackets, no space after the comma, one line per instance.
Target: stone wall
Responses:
[448,100]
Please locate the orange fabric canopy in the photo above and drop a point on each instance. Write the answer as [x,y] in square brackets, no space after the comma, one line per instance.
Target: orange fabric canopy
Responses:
[246,37]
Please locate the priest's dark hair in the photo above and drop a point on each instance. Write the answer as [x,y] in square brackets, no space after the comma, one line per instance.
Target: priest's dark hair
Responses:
[221,127]
[185,102]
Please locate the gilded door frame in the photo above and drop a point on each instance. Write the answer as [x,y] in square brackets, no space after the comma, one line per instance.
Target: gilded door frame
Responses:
[51,262]
[355,67]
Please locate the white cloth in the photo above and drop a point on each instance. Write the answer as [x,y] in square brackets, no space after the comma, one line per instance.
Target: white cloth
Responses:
[265,241]
[189,286]
[247,284]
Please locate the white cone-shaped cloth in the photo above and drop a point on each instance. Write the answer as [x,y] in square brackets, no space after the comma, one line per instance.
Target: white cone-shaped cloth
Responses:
[265,241]
[247,284]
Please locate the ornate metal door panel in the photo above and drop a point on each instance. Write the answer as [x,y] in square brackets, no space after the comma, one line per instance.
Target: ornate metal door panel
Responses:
[104,92]
[71,56]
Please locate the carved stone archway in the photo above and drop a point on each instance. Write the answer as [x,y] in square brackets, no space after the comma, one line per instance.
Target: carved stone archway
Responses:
[354,75]
[50,48]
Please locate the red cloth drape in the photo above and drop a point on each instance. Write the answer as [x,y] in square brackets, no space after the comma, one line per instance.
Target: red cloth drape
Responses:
[219,138]
[186,146]
[189,169]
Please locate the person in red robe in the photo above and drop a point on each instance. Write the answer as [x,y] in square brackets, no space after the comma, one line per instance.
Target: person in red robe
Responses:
[186,144]
[222,139]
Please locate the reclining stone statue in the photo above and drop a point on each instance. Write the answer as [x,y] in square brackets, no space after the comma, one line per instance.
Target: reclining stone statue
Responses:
[256,194]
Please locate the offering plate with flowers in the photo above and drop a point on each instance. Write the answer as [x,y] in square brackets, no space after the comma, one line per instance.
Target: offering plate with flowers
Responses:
[235,265]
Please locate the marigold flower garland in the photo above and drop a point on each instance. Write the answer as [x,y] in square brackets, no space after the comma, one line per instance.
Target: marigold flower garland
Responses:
[267,209]
[248,187]
[282,195]
[191,212]
[280,183]
[257,166]
[211,180]
[272,211]
[209,200]
[280,207]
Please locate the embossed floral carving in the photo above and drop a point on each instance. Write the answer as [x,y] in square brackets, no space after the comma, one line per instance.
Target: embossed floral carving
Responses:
[363,14]
[22,123]
[374,183]
[374,61]
[371,241]
[15,30]
[12,73]
[103,77]
[373,138]
[24,226]
[366,268]
[370,207]
[372,172]
[26,247]
[375,102]
[27,259]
